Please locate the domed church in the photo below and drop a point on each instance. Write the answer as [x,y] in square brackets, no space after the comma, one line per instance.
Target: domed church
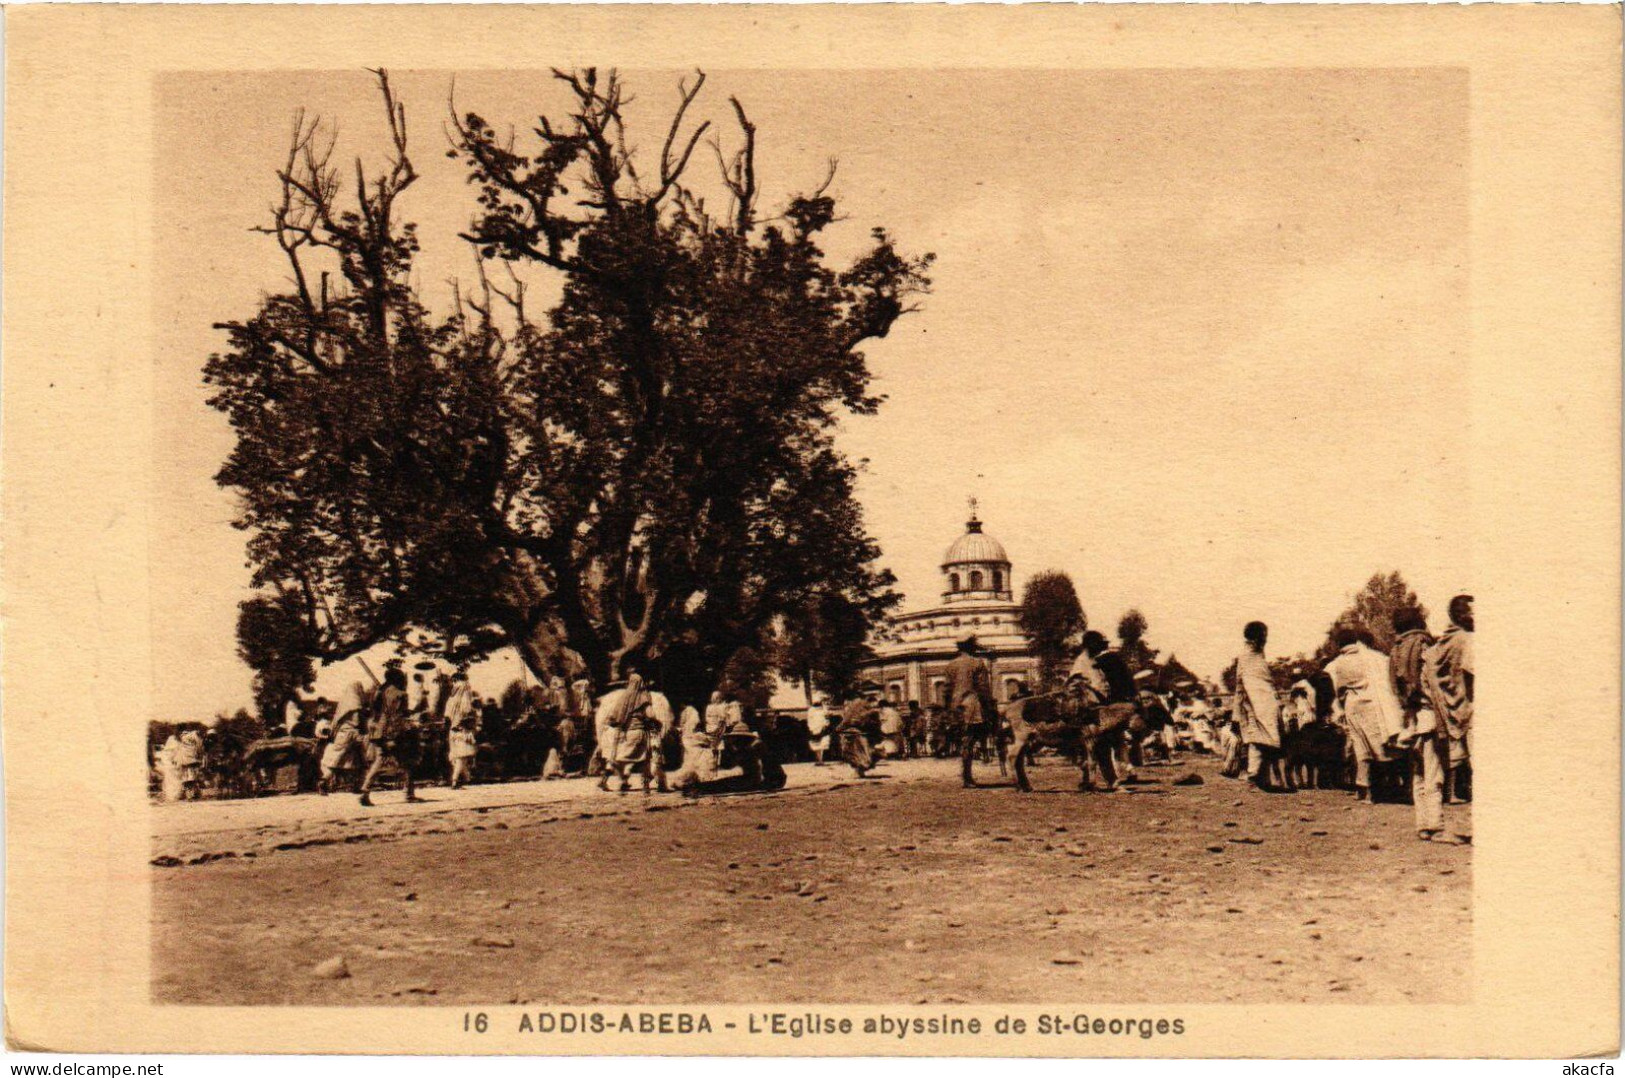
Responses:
[913,649]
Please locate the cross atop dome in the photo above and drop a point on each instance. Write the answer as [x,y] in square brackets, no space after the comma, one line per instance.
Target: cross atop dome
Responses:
[973,524]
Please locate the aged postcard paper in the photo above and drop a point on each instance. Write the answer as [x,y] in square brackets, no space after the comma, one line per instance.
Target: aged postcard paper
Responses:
[806,530]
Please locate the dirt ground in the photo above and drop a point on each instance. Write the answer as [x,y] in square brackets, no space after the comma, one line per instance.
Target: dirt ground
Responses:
[900,889]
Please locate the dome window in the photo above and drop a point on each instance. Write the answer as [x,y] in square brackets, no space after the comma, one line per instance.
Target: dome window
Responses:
[953,581]
[976,580]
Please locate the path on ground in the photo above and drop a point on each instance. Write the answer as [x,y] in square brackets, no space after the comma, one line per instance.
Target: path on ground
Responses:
[899,889]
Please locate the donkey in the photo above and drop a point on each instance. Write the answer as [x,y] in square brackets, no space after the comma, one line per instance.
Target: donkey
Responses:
[1064,723]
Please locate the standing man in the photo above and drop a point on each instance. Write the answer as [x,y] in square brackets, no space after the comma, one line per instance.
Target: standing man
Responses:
[1448,671]
[914,728]
[970,695]
[1424,735]
[391,735]
[1258,712]
[891,729]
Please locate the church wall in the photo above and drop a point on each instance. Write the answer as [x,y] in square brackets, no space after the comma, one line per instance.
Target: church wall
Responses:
[925,680]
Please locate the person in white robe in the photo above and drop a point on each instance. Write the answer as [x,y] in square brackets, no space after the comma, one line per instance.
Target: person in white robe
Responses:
[168,769]
[818,730]
[1258,711]
[460,703]
[701,733]
[631,724]
[462,748]
[1301,705]
[891,731]
[343,752]
[188,756]
[1362,678]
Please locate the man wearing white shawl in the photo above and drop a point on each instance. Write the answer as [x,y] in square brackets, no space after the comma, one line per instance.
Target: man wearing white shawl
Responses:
[462,731]
[460,704]
[701,734]
[631,724]
[1363,681]
[818,730]
[168,769]
[1258,712]
[1301,705]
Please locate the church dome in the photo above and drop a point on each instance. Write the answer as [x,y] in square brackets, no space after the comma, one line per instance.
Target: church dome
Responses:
[975,546]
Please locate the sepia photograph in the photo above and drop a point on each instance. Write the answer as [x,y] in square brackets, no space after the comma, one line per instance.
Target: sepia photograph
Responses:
[882,484]
[669,541]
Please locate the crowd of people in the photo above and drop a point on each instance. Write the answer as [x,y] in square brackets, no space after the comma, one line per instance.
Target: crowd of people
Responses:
[432,727]
[429,727]
[1381,725]
[1368,719]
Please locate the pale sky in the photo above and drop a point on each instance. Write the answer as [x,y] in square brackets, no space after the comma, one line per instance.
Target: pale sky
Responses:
[1197,338]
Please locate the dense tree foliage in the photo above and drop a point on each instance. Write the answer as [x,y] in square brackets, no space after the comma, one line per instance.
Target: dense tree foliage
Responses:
[644,475]
[823,642]
[748,675]
[275,640]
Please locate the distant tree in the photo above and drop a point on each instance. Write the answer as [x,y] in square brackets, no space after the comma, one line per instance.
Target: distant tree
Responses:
[240,728]
[1284,672]
[1175,676]
[1052,619]
[158,732]
[514,699]
[645,474]
[1373,611]
[824,642]
[276,641]
[749,675]
[1131,629]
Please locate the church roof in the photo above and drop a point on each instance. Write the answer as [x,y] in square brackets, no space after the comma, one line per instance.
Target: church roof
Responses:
[975,546]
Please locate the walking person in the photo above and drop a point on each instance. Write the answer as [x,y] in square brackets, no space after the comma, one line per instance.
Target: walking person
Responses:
[462,747]
[188,756]
[339,755]
[914,729]
[168,769]
[852,735]
[1425,734]
[1104,678]
[392,737]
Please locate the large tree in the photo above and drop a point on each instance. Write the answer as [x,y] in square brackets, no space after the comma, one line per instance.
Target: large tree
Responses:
[646,474]
[1053,620]
[1372,610]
